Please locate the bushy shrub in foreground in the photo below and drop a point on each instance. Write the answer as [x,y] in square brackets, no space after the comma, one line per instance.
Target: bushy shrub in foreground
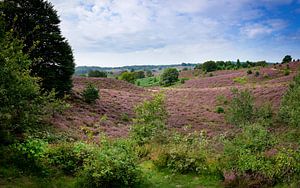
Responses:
[290,105]
[69,157]
[254,160]
[241,107]
[187,154]
[150,120]
[114,165]
[29,155]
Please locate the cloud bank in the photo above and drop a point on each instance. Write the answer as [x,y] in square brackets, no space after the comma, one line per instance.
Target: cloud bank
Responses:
[118,32]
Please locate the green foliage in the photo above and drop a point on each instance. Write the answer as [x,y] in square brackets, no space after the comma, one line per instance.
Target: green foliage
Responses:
[290,105]
[90,94]
[148,82]
[125,117]
[169,77]
[22,105]
[96,73]
[261,63]
[209,66]
[128,77]
[257,74]
[182,80]
[287,72]
[68,157]
[149,73]
[287,59]
[221,99]
[220,110]
[150,120]
[264,114]
[240,80]
[28,156]
[115,165]
[37,23]
[249,71]
[198,66]
[139,74]
[241,108]
[251,154]
[186,154]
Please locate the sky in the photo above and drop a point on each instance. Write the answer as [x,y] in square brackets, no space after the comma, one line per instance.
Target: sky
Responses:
[138,32]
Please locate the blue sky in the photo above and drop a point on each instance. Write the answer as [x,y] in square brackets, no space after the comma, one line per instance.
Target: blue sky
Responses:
[136,32]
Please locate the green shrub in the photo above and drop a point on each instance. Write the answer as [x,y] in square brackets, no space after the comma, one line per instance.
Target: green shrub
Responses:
[287,72]
[169,77]
[290,105]
[114,165]
[186,154]
[69,157]
[96,73]
[264,114]
[221,99]
[249,71]
[241,108]
[29,155]
[128,77]
[90,94]
[220,110]
[150,120]
[244,154]
[241,80]
[257,74]
[182,80]
[210,74]
[125,117]
[251,157]
[22,103]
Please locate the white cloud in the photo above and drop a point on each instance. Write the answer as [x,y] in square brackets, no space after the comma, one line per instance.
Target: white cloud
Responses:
[119,32]
[262,29]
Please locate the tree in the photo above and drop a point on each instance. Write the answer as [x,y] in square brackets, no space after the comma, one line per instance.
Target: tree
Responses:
[149,73]
[139,74]
[238,63]
[169,77]
[22,105]
[37,24]
[96,73]
[261,63]
[286,59]
[128,76]
[209,66]
[198,66]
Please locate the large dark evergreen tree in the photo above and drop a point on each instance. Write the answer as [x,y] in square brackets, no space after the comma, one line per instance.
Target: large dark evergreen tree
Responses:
[37,24]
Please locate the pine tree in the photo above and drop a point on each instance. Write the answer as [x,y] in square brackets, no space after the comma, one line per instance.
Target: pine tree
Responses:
[37,24]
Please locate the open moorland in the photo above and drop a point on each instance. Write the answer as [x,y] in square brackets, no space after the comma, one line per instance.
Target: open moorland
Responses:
[190,104]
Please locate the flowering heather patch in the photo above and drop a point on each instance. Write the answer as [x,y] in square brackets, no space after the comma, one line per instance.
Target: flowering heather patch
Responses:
[191,104]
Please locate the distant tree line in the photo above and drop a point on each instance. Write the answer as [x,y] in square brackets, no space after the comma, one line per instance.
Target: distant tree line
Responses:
[210,66]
